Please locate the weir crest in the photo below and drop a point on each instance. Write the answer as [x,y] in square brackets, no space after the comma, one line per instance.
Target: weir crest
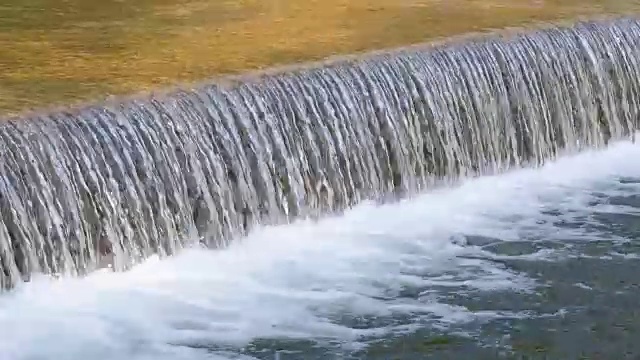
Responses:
[110,185]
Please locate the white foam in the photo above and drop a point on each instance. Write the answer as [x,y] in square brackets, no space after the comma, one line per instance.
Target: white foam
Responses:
[291,280]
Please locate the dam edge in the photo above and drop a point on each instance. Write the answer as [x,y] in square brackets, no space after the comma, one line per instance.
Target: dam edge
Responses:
[153,176]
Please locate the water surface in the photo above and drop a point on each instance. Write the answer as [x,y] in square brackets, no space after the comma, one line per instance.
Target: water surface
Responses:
[55,52]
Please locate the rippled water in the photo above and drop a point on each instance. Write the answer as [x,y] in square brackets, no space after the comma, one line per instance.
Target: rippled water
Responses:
[534,262]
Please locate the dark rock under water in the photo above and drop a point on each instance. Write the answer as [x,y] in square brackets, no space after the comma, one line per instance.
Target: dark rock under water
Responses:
[110,185]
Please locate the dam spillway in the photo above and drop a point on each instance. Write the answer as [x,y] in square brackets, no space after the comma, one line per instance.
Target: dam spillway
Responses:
[112,184]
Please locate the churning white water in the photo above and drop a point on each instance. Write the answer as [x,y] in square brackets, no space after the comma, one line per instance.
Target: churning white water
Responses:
[297,280]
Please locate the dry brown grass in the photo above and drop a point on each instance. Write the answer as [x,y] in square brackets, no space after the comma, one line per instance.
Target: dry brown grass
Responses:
[62,51]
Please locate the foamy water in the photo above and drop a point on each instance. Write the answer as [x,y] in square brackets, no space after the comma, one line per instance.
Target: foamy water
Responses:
[303,280]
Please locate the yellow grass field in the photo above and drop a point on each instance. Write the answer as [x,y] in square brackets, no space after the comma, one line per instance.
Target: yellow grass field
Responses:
[55,52]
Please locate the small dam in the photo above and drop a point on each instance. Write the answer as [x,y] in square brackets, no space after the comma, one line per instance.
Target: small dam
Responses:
[111,184]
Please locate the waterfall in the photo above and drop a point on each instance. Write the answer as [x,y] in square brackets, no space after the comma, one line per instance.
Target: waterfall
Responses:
[112,184]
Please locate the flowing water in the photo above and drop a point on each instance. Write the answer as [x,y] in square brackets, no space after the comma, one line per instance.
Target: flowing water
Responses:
[108,186]
[534,262]
[500,265]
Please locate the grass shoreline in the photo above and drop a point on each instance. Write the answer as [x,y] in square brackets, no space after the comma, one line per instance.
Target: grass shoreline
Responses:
[93,73]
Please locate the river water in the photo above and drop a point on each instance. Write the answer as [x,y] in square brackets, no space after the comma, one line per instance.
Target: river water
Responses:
[535,262]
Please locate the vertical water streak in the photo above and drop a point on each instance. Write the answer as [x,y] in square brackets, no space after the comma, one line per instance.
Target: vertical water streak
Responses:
[110,185]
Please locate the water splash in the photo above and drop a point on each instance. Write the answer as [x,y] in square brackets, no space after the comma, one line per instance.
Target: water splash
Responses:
[111,185]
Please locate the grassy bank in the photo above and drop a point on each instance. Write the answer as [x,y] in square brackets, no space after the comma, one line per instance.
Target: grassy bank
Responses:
[63,51]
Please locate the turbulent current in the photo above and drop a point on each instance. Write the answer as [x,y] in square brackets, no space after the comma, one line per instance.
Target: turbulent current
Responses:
[533,264]
[111,185]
